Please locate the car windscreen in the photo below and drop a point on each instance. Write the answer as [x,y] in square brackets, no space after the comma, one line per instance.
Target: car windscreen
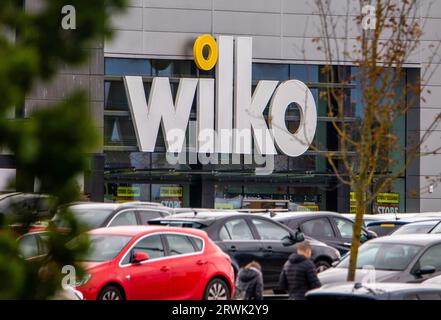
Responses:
[413,228]
[384,256]
[105,247]
[178,223]
[92,218]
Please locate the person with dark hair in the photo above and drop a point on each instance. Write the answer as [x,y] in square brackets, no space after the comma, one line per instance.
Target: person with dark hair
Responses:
[249,283]
[299,274]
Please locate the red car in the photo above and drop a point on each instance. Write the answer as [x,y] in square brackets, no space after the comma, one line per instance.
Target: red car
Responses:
[154,263]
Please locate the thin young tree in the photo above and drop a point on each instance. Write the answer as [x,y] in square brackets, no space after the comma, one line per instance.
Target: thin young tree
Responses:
[371,156]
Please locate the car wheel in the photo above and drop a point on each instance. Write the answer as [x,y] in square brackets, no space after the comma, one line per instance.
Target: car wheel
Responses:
[322,265]
[217,289]
[110,293]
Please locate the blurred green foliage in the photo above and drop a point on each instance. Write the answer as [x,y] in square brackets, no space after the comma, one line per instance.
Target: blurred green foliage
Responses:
[52,143]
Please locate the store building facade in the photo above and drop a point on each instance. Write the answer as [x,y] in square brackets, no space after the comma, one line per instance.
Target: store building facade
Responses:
[155,38]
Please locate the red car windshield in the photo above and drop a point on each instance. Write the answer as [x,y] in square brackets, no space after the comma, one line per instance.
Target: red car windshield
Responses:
[106,247]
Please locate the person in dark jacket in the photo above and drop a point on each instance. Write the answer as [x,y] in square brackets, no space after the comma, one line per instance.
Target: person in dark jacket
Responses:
[299,274]
[249,283]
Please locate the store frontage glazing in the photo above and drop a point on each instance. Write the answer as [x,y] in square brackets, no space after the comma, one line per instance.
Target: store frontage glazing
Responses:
[300,182]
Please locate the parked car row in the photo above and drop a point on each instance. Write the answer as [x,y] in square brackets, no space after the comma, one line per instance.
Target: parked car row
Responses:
[140,248]
[247,237]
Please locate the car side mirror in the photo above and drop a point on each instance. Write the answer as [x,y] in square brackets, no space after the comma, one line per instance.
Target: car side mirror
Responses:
[425,270]
[139,257]
[288,241]
[299,237]
[371,235]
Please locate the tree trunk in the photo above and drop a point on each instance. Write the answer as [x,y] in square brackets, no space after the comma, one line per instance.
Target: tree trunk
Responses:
[356,234]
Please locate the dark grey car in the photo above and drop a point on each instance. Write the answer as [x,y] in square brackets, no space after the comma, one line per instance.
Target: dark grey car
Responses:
[328,227]
[400,258]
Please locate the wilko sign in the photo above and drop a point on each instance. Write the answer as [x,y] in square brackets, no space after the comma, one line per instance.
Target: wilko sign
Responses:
[229,116]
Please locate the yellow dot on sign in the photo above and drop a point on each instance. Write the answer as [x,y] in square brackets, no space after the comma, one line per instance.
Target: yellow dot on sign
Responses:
[198,52]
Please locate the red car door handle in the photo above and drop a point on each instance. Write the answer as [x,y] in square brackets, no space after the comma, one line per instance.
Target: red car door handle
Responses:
[201,262]
[165,268]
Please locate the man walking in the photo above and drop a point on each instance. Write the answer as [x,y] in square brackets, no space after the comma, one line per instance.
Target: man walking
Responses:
[299,274]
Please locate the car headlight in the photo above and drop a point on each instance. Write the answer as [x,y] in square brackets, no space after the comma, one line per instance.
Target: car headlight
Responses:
[337,253]
[83,281]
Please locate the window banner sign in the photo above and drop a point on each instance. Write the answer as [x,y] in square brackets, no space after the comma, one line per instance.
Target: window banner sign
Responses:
[387,203]
[352,202]
[384,203]
[126,193]
[129,192]
[165,192]
[171,196]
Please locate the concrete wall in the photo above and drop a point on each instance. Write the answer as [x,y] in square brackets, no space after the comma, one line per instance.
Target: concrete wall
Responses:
[430,58]
[282,31]
[90,78]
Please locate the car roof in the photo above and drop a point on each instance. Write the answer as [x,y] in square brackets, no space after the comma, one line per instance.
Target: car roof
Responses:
[302,214]
[423,223]
[378,288]
[144,229]
[207,217]
[404,221]
[418,239]
[114,206]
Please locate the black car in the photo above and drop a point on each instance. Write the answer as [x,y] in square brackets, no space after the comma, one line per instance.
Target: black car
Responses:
[408,258]
[99,215]
[376,291]
[248,237]
[328,227]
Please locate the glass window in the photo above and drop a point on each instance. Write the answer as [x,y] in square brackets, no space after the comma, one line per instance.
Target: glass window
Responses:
[223,234]
[270,71]
[344,227]
[413,228]
[29,246]
[125,67]
[119,131]
[198,243]
[429,296]
[384,256]
[269,230]
[305,73]
[126,218]
[152,245]
[318,228]
[238,230]
[115,96]
[106,247]
[178,244]
[91,217]
[145,216]
[423,296]
[432,257]
[162,68]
